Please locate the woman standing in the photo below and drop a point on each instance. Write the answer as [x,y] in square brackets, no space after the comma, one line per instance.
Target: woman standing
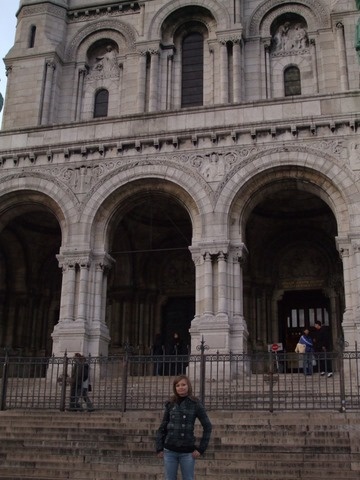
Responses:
[175,440]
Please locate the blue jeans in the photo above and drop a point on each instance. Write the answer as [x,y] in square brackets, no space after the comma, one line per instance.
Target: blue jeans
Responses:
[172,460]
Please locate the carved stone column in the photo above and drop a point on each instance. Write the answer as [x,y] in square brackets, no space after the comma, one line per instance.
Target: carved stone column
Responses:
[237,68]
[82,72]
[83,290]
[67,303]
[348,324]
[314,63]
[84,287]
[267,70]
[141,82]
[340,40]
[224,72]
[102,266]
[208,285]
[222,284]
[169,79]
[46,107]
[154,80]
[239,331]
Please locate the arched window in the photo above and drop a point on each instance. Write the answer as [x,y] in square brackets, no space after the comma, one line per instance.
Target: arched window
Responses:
[192,81]
[32,36]
[292,81]
[101,103]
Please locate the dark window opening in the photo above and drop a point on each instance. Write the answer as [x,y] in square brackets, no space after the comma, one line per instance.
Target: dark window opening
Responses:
[292,81]
[192,81]
[32,36]
[101,103]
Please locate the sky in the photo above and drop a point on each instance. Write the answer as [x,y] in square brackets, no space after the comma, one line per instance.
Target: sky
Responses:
[7,36]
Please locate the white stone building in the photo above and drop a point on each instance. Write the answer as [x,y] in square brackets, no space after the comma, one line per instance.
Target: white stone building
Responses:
[177,165]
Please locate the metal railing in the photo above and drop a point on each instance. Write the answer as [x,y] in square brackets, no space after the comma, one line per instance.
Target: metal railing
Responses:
[260,381]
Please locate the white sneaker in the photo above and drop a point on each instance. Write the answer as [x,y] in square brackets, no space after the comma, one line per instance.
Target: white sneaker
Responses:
[329,374]
[322,374]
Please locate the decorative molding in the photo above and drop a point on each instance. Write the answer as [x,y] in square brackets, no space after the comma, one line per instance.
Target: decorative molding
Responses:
[277,7]
[85,15]
[97,28]
[43,8]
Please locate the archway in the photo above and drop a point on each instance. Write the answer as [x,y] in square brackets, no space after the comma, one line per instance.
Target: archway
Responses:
[294,273]
[151,288]
[30,278]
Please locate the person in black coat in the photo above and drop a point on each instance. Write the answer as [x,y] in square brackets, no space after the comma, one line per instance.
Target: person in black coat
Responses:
[158,352]
[176,347]
[175,438]
[80,384]
[322,344]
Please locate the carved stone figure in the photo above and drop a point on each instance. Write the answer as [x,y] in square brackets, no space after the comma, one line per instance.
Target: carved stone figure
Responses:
[290,36]
[107,63]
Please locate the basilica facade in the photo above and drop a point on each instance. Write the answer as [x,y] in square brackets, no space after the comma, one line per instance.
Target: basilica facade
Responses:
[180,166]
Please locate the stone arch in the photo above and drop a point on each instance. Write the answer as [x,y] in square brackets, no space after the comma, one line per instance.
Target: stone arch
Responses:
[258,188]
[314,11]
[178,26]
[302,164]
[189,188]
[115,31]
[220,14]
[59,199]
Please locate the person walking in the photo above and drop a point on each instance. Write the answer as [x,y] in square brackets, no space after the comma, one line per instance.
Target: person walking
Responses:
[175,439]
[322,344]
[308,354]
[80,384]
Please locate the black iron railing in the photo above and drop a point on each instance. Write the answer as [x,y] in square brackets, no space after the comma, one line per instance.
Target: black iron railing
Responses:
[260,381]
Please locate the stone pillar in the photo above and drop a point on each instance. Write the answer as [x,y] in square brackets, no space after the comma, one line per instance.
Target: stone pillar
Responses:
[348,317]
[67,313]
[237,11]
[224,72]
[357,42]
[83,291]
[222,284]
[314,64]
[82,72]
[340,40]
[98,296]
[84,287]
[237,69]
[267,71]
[169,79]
[154,80]
[47,94]
[208,284]
[238,328]
[141,82]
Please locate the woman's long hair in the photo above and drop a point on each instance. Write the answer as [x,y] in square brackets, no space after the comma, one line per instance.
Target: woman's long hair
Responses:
[175,398]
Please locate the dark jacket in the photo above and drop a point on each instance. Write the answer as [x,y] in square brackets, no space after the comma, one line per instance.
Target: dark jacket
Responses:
[176,431]
[323,339]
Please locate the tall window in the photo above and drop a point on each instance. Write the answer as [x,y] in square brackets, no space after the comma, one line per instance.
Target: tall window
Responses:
[101,103]
[192,81]
[292,81]
[32,36]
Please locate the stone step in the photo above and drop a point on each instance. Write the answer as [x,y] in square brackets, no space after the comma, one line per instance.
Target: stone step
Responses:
[247,445]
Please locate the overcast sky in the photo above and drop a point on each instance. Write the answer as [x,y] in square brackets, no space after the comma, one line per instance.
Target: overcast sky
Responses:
[7,36]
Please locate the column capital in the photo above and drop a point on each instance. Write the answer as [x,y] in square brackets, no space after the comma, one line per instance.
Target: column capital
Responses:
[339,25]
[239,253]
[104,261]
[71,258]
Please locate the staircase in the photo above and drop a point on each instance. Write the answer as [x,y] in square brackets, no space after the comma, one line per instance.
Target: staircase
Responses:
[52,445]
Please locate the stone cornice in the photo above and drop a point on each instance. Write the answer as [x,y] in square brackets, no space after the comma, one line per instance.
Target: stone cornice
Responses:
[245,137]
[99,11]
